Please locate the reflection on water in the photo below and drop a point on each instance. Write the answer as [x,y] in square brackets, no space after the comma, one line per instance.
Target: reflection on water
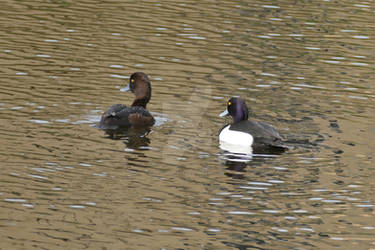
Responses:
[134,138]
[304,67]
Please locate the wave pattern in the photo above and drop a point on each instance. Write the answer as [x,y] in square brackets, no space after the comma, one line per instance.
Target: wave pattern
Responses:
[306,68]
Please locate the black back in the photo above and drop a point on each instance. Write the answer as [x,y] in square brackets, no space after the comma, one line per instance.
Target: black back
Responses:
[120,116]
[266,137]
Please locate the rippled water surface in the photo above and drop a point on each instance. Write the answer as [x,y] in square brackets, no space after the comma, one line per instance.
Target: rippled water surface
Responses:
[307,67]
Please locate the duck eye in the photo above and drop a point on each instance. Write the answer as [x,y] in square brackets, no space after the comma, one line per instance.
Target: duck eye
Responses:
[229,103]
[132,80]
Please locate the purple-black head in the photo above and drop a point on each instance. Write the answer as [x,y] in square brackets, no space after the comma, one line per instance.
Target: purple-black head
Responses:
[236,107]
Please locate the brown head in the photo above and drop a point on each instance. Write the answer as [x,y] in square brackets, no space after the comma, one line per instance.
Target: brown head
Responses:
[140,85]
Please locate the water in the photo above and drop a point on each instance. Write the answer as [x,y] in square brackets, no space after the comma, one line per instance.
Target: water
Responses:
[306,68]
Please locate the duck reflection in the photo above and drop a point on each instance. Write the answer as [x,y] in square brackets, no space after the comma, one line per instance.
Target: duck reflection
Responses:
[236,163]
[133,138]
[137,141]
[236,169]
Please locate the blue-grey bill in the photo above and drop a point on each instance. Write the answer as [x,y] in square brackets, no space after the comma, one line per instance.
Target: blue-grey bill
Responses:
[127,88]
[225,113]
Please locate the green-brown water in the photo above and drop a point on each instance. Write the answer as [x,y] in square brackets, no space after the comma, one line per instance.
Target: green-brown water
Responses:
[305,67]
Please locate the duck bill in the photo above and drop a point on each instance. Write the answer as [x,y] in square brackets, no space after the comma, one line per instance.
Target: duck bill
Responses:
[127,88]
[225,113]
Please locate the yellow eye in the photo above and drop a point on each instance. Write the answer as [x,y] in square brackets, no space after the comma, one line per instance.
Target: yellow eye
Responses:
[229,103]
[132,80]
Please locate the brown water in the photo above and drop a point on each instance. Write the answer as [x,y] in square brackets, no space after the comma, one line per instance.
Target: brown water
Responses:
[305,67]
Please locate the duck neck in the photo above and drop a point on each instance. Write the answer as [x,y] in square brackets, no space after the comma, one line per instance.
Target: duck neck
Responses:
[241,114]
[239,118]
[140,102]
[142,96]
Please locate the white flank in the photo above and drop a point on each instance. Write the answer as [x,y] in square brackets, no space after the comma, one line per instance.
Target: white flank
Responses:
[235,141]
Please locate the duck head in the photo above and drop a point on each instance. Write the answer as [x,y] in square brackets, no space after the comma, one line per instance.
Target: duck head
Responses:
[140,85]
[236,107]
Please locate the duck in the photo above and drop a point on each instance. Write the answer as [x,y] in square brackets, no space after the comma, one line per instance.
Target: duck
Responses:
[255,136]
[119,116]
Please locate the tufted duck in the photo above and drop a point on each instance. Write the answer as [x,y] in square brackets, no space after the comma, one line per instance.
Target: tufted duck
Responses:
[258,136]
[119,116]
